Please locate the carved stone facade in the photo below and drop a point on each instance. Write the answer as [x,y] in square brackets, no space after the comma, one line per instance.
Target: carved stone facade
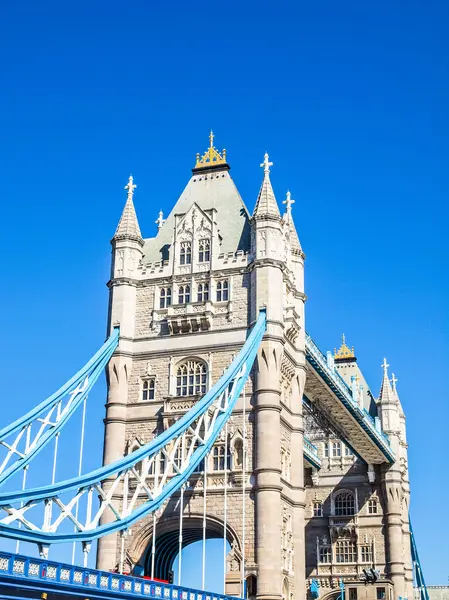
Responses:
[185,301]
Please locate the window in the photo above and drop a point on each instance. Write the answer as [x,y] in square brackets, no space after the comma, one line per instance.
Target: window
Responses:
[344,504]
[148,389]
[185,255]
[165,297]
[345,551]
[204,251]
[177,458]
[372,507]
[218,457]
[380,593]
[366,554]
[203,292]
[222,291]
[352,593]
[349,452]
[317,509]
[191,378]
[336,449]
[324,554]
[326,449]
[184,294]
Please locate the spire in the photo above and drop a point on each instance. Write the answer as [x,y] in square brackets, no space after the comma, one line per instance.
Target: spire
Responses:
[160,220]
[288,219]
[394,381]
[266,205]
[128,226]
[386,395]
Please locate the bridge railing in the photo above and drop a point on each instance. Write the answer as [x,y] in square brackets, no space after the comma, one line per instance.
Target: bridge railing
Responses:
[311,453]
[36,570]
[345,393]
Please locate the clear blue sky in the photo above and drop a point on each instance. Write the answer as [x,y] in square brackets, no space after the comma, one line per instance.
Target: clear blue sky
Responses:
[351,101]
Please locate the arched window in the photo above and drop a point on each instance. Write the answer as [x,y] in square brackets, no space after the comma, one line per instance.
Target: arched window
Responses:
[148,389]
[222,291]
[203,292]
[165,297]
[238,454]
[317,509]
[344,504]
[191,378]
[372,507]
[345,551]
[336,449]
[185,254]
[204,251]
[218,458]
[184,294]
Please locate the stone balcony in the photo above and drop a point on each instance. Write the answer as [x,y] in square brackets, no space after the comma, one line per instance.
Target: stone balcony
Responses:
[191,317]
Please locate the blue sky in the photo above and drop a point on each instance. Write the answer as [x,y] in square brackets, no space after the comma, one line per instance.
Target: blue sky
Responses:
[350,99]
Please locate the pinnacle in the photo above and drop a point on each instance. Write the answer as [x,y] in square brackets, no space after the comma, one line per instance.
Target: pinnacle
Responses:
[386,396]
[266,205]
[128,226]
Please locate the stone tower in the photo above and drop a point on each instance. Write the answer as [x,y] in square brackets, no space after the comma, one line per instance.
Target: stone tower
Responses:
[184,301]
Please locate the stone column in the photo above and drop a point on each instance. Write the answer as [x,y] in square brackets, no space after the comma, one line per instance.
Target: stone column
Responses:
[392,488]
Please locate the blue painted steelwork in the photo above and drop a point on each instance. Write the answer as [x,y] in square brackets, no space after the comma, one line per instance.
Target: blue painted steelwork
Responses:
[222,396]
[420,583]
[45,575]
[341,390]
[311,454]
[50,416]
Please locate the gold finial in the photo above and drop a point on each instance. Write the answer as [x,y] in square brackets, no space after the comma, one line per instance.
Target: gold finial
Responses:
[344,351]
[130,186]
[211,157]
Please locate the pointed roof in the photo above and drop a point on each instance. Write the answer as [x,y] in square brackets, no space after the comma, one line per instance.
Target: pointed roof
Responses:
[128,226]
[266,205]
[288,219]
[394,381]
[386,395]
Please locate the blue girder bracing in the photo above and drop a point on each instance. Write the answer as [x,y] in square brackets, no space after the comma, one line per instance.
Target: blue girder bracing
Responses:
[343,393]
[420,583]
[311,454]
[26,573]
[180,449]
[27,436]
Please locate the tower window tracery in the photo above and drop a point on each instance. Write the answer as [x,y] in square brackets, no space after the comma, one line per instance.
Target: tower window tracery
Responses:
[165,297]
[317,509]
[324,553]
[372,507]
[184,294]
[218,458]
[336,449]
[366,553]
[345,551]
[185,254]
[191,378]
[223,291]
[148,389]
[344,504]
[204,251]
[203,292]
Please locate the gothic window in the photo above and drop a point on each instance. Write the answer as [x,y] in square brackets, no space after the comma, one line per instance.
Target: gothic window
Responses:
[184,294]
[185,255]
[203,292]
[352,593]
[324,553]
[177,458]
[344,504]
[165,297]
[326,449]
[218,458]
[204,251]
[372,507]
[366,554]
[191,378]
[345,551]
[222,291]
[317,509]
[148,389]
[348,452]
[158,460]
[336,449]
[380,593]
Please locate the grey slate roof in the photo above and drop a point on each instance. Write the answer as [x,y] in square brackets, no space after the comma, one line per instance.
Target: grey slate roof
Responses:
[217,190]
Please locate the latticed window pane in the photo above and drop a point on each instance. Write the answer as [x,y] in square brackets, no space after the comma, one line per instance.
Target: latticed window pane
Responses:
[325,554]
[372,507]
[317,509]
[345,551]
[336,449]
[218,458]
[366,554]
[184,294]
[148,389]
[185,256]
[222,291]
[344,504]
[203,292]
[204,251]
[165,297]
[191,378]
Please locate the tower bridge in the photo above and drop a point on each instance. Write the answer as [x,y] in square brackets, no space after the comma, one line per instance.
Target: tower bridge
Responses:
[223,420]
